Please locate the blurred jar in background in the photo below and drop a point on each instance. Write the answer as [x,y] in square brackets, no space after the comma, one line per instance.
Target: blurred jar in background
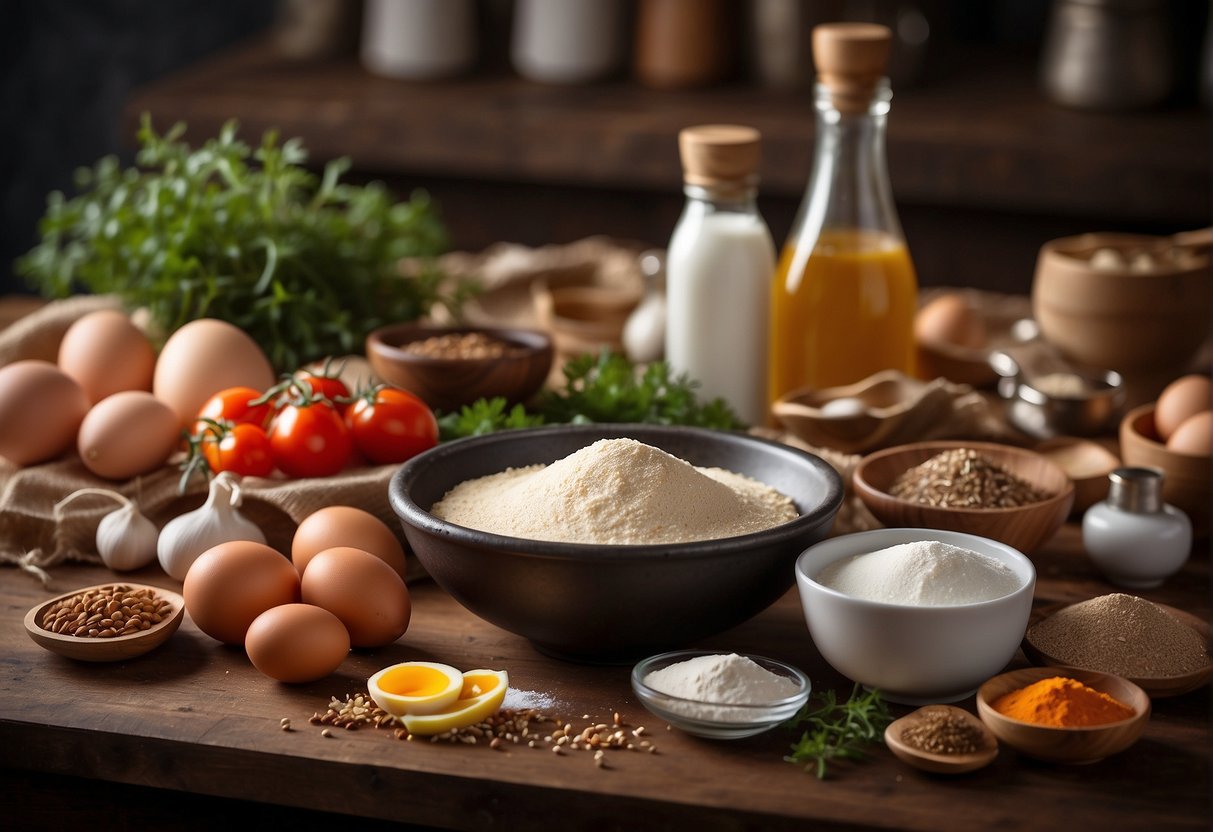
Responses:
[419,39]
[685,43]
[1107,54]
[568,41]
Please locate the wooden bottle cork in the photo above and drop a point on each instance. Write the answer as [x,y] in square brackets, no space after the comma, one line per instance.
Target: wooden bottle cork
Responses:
[851,58]
[718,154]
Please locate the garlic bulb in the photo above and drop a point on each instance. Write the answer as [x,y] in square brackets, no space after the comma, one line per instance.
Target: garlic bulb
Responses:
[125,538]
[217,521]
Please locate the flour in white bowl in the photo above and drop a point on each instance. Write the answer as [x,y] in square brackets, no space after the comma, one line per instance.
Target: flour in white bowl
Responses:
[923,573]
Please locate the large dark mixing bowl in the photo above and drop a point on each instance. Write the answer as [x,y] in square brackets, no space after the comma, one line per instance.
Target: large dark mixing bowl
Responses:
[606,603]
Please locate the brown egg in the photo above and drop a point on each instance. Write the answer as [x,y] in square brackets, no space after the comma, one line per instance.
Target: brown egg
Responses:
[364,592]
[127,434]
[1180,400]
[346,526]
[105,353]
[296,643]
[1194,436]
[204,357]
[950,319]
[41,408]
[231,584]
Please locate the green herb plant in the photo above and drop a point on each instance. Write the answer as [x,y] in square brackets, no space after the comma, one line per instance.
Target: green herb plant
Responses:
[838,730]
[306,265]
[602,388]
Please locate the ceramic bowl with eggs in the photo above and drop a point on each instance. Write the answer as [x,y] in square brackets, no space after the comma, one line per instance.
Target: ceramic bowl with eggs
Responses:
[915,654]
[447,371]
[604,602]
[1025,527]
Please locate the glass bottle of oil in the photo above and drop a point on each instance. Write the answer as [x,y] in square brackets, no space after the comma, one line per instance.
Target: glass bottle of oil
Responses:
[845,292]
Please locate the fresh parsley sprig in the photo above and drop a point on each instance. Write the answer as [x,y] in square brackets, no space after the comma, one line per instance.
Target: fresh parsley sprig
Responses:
[306,264]
[602,388]
[838,730]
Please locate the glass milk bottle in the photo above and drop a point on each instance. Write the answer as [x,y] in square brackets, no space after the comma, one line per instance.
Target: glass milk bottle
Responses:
[718,270]
[845,292]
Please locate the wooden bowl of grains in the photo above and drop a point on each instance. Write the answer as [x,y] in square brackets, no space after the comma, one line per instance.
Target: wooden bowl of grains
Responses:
[449,367]
[1008,494]
[106,623]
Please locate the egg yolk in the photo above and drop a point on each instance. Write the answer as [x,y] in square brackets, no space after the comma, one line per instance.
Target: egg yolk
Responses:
[415,681]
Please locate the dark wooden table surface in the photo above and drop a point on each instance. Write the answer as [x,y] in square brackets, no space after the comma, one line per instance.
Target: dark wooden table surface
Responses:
[195,717]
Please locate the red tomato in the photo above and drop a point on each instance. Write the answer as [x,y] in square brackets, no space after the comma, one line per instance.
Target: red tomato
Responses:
[330,387]
[232,405]
[390,425]
[308,439]
[243,449]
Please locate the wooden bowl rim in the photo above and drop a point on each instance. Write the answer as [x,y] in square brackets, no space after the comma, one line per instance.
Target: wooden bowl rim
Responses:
[1058,252]
[387,342]
[1056,442]
[134,640]
[864,487]
[1025,676]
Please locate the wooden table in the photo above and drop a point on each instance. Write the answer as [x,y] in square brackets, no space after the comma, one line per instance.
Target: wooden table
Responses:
[194,716]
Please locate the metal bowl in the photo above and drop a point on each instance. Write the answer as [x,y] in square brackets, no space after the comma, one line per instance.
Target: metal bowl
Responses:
[1078,402]
[609,603]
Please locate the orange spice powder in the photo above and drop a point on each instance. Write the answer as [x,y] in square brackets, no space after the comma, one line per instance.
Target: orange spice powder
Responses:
[1062,703]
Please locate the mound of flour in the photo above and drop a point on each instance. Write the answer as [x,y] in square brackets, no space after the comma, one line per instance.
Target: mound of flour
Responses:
[925,573]
[616,491]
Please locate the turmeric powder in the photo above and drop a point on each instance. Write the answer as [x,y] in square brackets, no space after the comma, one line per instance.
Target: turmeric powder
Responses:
[1061,703]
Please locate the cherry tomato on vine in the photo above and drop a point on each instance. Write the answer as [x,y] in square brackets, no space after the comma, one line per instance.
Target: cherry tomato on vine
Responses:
[390,425]
[328,386]
[242,448]
[308,437]
[232,405]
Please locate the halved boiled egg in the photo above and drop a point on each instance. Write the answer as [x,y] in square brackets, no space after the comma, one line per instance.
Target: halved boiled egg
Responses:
[415,687]
[481,697]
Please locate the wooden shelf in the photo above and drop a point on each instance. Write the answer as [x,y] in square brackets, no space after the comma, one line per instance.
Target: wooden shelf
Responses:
[984,138]
[984,169]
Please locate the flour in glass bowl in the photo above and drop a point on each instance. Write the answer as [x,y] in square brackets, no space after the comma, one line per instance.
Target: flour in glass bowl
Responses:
[616,491]
[710,684]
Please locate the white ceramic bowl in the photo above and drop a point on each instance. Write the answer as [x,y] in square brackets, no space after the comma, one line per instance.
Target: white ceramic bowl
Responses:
[914,655]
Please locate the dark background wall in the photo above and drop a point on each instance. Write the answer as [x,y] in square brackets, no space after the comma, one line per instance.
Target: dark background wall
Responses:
[66,69]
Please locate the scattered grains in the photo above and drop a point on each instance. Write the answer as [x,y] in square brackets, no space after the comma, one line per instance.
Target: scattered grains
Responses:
[106,612]
[940,730]
[963,478]
[1121,634]
[463,345]
[616,491]
[508,725]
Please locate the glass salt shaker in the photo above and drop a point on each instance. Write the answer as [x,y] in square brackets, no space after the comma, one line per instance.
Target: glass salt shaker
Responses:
[1135,538]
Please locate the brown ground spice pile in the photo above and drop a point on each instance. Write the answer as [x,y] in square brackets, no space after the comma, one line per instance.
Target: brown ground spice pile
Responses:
[943,731]
[1124,635]
[963,478]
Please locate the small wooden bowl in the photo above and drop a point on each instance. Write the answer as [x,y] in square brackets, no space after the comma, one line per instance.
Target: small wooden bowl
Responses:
[1087,744]
[889,407]
[114,649]
[1157,687]
[1186,478]
[1024,527]
[941,763]
[449,383]
[1086,463]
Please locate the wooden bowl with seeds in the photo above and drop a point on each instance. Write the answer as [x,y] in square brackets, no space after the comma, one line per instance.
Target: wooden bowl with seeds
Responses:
[158,613]
[1035,493]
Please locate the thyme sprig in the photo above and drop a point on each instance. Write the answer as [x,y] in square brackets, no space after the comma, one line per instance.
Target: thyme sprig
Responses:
[838,730]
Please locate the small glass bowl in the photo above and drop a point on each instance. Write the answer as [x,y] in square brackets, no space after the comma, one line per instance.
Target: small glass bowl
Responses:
[715,720]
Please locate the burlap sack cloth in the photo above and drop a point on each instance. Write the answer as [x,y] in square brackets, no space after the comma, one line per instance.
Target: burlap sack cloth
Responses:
[31,539]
